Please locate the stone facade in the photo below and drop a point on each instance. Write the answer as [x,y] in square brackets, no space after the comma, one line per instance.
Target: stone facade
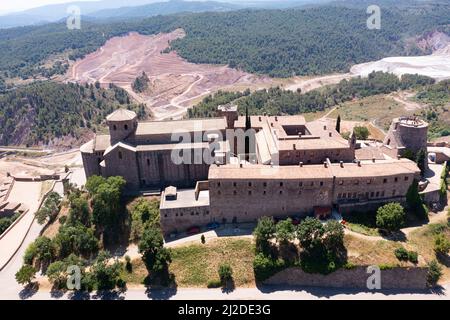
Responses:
[395,278]
[292,167]
[407,133]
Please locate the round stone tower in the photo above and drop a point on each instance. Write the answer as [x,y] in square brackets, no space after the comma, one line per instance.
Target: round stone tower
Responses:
[122,125]
[407,133]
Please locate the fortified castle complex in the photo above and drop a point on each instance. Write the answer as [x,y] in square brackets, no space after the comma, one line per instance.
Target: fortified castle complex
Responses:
[286,166]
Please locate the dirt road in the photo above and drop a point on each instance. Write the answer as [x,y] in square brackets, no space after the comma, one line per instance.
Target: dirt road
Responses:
[175,83]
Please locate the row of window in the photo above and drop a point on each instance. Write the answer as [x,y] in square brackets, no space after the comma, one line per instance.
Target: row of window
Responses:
[193,213]
[312,183]
[367,195]
[281,184]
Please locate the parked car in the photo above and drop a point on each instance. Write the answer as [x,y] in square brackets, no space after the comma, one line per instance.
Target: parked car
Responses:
[212,226]
[193,230]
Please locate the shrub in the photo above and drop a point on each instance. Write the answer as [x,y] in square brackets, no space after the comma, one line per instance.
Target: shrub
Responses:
[404,255]
[362,133]
[285,231]
[225,273]
[401,254]
[441,245]
[264,266]
[26,274]
[202,239]
[62,219]
[121,284]
[264,231]
[30,253]
[391,217]
[56,273]
[386,266]
[434,273]
[413,257]
[214,284]
[128,265]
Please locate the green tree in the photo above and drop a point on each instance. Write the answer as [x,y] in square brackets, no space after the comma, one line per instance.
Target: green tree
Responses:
[441,245]
[79,210]
[44,251]
[30,253]
[75,239]
[49,209]
[106,274]
[415,202]
[154,255]
[362,133]
[25,275]
[225,273]
[434,273]
[390,217]
[310,232]
[333,238]
[338,123]
[57,273]
[144,214]
[264,231]
[421,159]
[141,83]
[285,231]
[401,254]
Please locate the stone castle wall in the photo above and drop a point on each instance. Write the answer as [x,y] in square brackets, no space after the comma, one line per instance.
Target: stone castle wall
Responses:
[395,278]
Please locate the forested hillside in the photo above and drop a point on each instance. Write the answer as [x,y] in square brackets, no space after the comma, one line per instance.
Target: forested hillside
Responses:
[39,112]
[299,42]
[277,101]
[276,42]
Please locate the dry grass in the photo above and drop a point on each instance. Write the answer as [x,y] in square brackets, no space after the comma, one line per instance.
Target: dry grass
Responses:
[369,252]
[380,108]
[422,240]
[195,265]
[52,230]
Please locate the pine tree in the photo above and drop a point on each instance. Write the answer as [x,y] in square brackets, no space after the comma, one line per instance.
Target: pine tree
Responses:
[338,123]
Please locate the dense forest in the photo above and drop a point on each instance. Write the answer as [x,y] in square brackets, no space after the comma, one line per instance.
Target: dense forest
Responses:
[276,101]
[279,43]
[44,110]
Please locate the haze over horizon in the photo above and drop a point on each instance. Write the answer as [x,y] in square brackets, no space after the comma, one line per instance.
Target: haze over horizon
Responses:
[16,6]
[12,6]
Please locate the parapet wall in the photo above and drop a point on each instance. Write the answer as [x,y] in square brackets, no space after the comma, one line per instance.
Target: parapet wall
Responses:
[395,278]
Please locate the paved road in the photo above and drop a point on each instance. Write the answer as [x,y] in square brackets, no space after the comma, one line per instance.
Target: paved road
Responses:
[265,293]
[9,288]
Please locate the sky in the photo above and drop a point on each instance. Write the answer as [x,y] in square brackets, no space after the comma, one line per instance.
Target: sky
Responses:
[7,6]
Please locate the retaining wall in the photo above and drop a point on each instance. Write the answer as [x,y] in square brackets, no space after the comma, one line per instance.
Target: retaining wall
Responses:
[395,278]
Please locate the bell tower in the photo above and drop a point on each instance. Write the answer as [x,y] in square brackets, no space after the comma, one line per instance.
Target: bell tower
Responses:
[122,125]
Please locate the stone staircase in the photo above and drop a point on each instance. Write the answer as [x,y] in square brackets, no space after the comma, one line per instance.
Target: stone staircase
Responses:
[8,208]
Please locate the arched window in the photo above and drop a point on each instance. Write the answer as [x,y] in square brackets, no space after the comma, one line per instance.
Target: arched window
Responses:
[120,155]
[125,127]
[114,127]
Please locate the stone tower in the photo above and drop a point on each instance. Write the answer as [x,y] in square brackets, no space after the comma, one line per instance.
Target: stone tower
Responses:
[122,125]
[230,112]
[407,136]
